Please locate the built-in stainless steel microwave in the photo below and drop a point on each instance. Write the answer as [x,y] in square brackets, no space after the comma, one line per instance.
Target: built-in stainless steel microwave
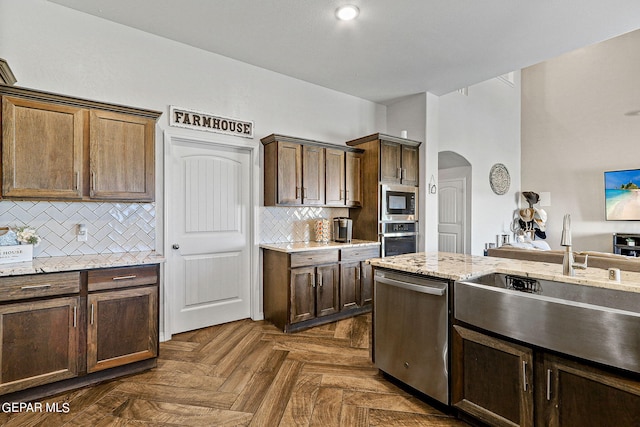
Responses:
[398,203]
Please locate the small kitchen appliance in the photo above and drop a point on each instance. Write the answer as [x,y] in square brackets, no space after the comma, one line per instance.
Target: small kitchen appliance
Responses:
[398,203]
[342,229]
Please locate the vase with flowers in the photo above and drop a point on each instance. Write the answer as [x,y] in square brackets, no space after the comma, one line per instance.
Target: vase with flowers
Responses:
[27,235]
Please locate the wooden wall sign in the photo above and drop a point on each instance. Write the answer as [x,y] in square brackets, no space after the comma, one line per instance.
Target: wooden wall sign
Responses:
[191,119]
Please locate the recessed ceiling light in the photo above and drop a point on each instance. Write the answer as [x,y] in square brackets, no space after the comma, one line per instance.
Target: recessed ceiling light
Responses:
[347,12]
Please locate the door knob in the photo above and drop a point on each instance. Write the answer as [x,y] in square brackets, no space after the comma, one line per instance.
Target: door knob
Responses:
[175,246]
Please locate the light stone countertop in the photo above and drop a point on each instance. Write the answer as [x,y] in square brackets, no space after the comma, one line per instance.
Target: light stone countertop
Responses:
[461,267]
[80,262]
[291,247]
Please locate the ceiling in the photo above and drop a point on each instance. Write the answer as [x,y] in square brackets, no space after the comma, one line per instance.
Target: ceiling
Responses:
[395,48]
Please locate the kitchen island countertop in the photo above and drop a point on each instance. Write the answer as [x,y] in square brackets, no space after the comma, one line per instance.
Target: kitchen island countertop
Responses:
[291,247]
[80,262]
[462,267]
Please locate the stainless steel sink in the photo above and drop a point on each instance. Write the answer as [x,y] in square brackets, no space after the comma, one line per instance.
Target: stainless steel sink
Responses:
[597,324]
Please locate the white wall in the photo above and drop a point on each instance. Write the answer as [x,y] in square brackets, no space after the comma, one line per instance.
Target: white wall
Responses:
[52,48]
[484,128]
[579,119]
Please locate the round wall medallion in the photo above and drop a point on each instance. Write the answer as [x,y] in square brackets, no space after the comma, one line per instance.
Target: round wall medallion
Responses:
[499,178]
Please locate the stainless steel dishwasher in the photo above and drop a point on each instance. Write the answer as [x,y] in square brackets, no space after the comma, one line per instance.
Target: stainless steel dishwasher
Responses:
[411,331]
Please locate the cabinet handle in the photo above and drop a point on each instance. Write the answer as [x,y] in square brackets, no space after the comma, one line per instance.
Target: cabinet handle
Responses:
[133,276]
[92,314]
[312,281]
[77,181]
[93,181]
[75,316]
[320,279]
[524,375]
[364,273]
[404,173]
[357,273]
[399,173]
[548,384]
[30,287]
[297,192]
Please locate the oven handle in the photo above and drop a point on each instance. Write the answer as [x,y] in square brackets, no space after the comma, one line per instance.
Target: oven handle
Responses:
[411,287]
[399,234]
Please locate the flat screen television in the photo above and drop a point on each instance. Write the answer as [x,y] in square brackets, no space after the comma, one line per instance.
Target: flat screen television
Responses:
[622,195]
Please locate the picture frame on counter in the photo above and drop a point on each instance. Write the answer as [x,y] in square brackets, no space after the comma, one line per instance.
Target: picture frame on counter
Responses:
[16,253]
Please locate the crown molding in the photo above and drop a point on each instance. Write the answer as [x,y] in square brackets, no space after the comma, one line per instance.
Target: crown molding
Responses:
[6,75]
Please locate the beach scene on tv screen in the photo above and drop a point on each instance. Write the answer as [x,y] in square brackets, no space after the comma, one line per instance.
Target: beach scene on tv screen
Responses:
[622,195]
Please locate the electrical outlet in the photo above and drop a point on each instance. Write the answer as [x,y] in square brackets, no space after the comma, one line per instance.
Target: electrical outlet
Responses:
[81,233]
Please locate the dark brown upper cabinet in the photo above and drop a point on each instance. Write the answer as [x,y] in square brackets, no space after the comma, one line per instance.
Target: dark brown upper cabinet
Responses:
[302,172]
[56,147]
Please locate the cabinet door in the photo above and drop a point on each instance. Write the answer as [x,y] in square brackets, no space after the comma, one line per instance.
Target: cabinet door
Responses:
[122,327]
[366,283]
[354,179]
[335,177]
[328,281]
[349,284]
[39,343]
[289,173]
[578,395]
[492,379]
[41,149]
[303,284]
[121,157]
[312,175]
[390,162]
[410,165]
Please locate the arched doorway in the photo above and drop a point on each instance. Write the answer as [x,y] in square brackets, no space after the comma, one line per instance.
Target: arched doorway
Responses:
[454,203]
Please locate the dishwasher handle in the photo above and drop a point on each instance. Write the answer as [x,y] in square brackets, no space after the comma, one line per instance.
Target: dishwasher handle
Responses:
[412,287]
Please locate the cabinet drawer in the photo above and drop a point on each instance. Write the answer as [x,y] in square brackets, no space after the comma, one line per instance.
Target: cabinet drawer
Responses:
[122,277]
[38,285]
[300,259]
[360,253]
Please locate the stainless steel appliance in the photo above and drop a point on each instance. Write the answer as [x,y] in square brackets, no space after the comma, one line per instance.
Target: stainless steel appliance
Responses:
[592,323]
[342,229]
[398,203]
[398,238]
[411,331]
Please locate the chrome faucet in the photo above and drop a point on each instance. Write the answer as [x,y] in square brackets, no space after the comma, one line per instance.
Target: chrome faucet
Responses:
[568,262]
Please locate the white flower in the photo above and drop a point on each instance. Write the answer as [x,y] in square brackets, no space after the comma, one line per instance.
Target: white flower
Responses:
[28,235]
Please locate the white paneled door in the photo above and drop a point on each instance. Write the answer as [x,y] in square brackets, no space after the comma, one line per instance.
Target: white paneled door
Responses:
[451,215]
[208,216]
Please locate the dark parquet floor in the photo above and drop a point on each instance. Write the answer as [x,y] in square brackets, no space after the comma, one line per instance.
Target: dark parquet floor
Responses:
[249,373]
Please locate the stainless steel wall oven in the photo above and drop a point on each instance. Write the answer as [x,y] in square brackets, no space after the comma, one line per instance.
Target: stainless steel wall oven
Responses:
[399,238]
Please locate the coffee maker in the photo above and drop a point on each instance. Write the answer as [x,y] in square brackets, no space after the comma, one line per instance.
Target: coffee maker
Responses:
[342,229]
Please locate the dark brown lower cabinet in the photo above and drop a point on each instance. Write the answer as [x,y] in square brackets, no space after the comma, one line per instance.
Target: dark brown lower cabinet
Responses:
[122,327]
[308,288]
[60,331]
[356,284]
[495,381]
[579,395]
[39,342]
[356,276]
[314,292]
[492,379]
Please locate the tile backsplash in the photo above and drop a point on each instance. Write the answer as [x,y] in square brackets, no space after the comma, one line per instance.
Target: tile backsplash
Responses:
[111,227]
[130,227]
[295,224]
